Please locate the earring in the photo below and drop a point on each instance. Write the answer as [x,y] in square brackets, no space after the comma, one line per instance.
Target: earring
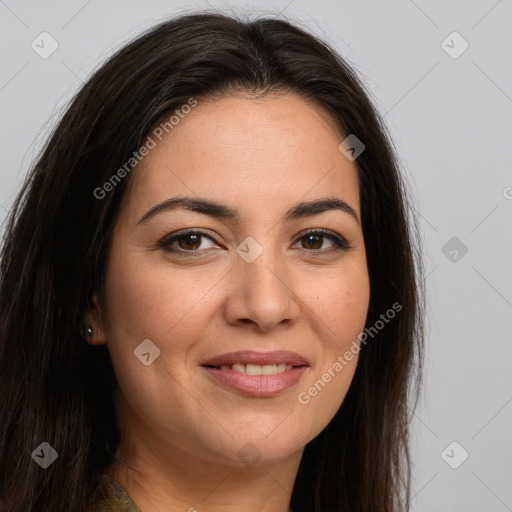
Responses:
[88,331]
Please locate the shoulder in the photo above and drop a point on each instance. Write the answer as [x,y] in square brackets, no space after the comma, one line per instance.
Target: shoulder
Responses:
[112,497]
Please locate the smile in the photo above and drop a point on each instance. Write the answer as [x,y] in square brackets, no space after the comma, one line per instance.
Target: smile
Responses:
[256,369]
[256,374]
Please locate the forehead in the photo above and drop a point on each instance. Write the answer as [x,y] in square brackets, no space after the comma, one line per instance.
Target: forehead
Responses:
[276,148]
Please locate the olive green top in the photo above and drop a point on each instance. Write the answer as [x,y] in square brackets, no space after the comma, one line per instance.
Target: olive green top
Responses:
[112,497]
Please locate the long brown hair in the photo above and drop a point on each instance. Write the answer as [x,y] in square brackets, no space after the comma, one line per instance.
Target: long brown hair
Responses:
[58,389]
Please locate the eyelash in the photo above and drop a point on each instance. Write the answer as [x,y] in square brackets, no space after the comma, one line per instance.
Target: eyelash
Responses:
[340,242]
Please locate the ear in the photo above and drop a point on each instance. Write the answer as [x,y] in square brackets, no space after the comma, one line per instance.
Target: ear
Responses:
[96,303]
[93,318]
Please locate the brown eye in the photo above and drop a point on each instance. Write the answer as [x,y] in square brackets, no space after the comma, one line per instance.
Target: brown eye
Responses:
[190,242]
[314,239]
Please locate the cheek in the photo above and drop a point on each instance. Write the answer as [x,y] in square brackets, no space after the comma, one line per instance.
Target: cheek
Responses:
[341,304]
[340,311]
[346,313]
[150,302]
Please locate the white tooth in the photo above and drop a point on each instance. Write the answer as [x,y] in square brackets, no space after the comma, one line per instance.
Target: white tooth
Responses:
[269,369]
[289,366]
[253,369]
[224,367]
[281,368]
[237,367]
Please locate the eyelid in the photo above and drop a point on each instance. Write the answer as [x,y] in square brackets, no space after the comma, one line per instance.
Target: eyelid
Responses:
[172,237]
[340,242]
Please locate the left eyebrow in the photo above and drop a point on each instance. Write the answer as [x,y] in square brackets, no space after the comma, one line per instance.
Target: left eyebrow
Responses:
[222,211]
[319,206]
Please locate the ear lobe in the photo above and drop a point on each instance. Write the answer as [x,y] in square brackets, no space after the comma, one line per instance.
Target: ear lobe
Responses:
[94,320]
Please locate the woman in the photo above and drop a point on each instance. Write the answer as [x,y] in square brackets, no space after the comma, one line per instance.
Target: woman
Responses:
[209,297]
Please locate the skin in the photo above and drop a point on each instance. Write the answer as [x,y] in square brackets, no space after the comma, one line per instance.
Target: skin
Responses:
[181,431]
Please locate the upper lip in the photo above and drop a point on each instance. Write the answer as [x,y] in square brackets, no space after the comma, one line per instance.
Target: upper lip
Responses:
[260,358]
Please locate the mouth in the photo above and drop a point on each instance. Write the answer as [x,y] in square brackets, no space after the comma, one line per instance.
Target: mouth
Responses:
[257,374]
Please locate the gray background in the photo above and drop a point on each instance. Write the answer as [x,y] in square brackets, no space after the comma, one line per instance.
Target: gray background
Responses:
[452,126]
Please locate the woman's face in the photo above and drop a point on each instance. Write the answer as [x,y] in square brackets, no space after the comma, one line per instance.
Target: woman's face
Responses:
[252,282]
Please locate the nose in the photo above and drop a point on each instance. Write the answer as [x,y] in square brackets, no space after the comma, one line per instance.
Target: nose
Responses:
[261,295]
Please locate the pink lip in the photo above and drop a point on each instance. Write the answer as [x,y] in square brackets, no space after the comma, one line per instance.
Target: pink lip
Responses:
[261,358]
[257,385]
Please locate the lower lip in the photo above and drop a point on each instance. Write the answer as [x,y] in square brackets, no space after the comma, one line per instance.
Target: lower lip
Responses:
[257,385]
